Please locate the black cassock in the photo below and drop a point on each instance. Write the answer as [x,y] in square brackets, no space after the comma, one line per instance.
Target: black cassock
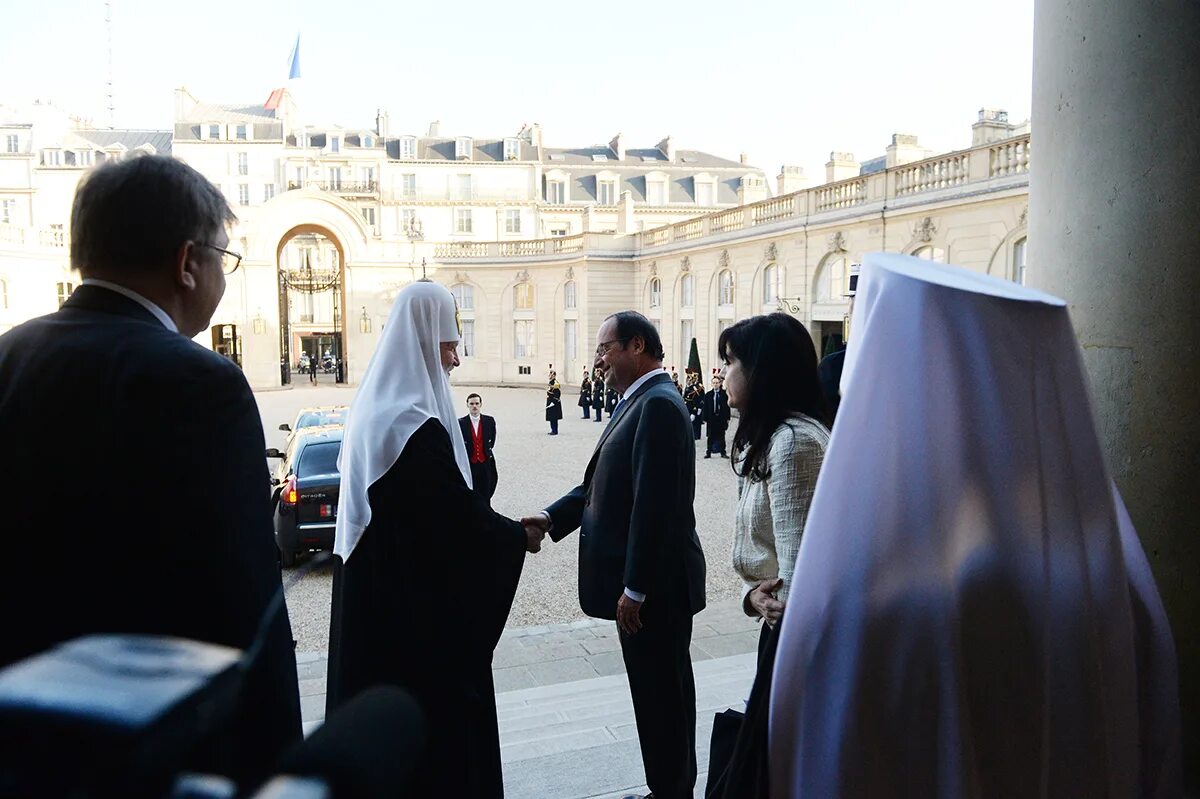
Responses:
[421,603]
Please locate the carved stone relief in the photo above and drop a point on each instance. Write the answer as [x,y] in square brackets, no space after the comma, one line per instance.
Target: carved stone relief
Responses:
[772,252]
[686,264]
[523,276]
[724,259]
[837,242]
[924,230]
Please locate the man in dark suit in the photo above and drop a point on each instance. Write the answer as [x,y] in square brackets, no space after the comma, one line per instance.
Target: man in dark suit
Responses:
[640,561]
[161,524]
[716,416]
[479,434]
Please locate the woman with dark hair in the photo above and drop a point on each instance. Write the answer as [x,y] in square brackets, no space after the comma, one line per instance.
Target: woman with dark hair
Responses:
[771,379]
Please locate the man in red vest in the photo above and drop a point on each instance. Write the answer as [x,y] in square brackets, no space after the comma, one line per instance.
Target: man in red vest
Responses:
[479,434]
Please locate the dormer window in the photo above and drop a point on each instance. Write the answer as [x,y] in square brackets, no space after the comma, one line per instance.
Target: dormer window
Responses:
[214,131]
[606,192]
[656,192]
[408,147]
[556,192]
[242,132]
[512,149]
[705,192]
[462,147]
[12,143]
[51,157]
[368,141]
[83,158]
[335,144]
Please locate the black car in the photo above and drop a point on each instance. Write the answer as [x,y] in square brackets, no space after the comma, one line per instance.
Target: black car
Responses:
[304,492]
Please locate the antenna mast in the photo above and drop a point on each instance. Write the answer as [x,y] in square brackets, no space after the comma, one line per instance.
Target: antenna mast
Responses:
[109,85]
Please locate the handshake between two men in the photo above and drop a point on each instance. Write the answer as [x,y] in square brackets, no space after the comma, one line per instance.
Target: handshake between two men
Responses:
[628,609]
[536,528]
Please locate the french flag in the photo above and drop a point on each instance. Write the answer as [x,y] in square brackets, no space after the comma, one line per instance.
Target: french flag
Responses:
[293,73]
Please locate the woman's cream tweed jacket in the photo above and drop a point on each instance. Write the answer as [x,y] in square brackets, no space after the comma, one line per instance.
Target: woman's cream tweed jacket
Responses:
[771,513]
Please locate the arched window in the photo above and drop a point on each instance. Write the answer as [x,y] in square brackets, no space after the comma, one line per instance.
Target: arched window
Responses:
[931,253]
[687,292]
[655,293]
[464,296]
[830,285]
[569,295]
[523,297]
[725,288]
[1019,261]
[770,288]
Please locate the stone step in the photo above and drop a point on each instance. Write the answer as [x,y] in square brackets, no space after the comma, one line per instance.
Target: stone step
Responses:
[579,739]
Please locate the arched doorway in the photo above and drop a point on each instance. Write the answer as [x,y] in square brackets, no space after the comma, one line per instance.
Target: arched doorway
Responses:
[311,275]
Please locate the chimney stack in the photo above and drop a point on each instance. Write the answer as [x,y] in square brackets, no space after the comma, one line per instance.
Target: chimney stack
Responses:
[791,179]
[840,167]
[904,150]
[618,147]
[992,125]
[435,129]
[667,148]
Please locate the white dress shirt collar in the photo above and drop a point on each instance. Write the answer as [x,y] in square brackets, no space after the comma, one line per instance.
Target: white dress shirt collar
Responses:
[638,383]
[475,421]
[159,313]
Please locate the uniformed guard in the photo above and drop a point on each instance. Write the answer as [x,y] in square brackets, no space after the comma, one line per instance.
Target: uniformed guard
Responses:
[598,394]
[553,404]
[585,394]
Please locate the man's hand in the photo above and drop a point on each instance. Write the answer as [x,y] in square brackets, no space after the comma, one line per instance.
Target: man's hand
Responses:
[533,538]
[629,617]
[765,605]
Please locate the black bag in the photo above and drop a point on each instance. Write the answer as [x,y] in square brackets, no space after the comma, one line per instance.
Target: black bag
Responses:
[737,761]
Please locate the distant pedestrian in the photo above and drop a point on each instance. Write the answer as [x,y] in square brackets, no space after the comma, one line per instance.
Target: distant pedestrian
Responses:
[312,370]
[716,417]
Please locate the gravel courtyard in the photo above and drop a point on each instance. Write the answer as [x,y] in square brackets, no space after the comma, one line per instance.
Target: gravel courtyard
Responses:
[535,469]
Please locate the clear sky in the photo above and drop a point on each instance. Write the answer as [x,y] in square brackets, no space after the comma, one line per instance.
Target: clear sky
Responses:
[785,81]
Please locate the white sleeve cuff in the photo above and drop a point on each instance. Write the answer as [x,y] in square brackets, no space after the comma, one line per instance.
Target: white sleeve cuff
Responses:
[636,596]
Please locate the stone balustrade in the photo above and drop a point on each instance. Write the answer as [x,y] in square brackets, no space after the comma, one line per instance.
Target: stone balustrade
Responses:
[686,231]
[44,238]
[843,194]
[933,174]
[1009,157]
[727,221]
[979,165]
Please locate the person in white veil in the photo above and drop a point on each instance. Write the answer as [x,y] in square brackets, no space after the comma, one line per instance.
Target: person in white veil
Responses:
[428,571]
[973,615]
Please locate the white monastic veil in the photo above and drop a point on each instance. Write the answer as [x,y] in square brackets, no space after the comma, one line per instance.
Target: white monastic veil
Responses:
[973,615]
[404,386]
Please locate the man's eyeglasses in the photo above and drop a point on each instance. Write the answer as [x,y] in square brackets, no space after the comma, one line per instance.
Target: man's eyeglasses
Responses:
[604,346]
[230,261]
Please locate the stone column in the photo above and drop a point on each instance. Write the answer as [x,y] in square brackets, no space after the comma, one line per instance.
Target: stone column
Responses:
[1115,230]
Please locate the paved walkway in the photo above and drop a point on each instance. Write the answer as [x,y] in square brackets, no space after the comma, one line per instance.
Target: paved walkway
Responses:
[566,720]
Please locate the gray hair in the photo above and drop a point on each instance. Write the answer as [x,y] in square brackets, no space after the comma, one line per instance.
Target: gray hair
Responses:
[133,216]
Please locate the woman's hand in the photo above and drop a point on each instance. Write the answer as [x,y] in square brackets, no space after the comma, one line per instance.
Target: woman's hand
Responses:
[762,602]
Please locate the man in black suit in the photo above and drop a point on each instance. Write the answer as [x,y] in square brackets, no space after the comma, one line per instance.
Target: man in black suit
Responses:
[479,434]
[640,561]
[161,524]
[716,416]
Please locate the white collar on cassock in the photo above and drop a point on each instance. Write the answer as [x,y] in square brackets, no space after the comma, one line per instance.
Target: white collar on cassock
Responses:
[403,387]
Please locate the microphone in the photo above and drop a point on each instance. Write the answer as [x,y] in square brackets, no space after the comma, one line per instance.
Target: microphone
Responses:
[367,748]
